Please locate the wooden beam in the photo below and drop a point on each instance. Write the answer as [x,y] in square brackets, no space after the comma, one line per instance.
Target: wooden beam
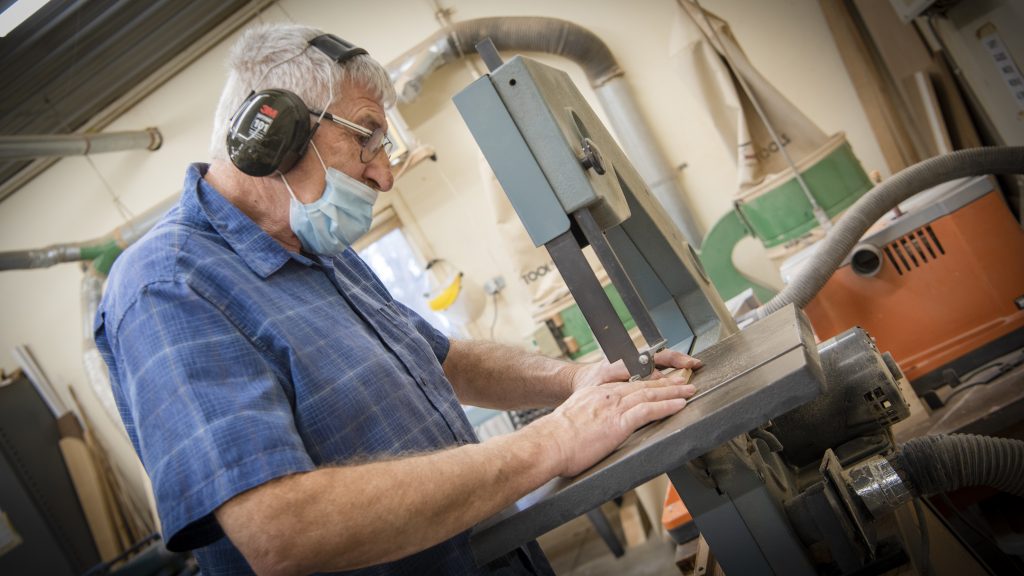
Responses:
[874,92]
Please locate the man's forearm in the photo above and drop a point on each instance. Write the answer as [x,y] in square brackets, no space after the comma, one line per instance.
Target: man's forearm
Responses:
[333,519]
[498,376]
[353,516]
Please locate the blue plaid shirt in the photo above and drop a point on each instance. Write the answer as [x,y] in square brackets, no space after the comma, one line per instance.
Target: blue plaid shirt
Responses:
[234,361]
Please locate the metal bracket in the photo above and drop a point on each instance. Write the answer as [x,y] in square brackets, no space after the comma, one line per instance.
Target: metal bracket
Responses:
[637,309]
[596,307]
[489,54]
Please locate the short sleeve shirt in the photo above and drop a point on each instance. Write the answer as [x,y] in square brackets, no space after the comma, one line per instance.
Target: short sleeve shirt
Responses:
[234,361]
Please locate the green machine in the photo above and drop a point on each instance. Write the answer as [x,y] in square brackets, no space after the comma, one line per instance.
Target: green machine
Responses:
[574,324]
[778,212]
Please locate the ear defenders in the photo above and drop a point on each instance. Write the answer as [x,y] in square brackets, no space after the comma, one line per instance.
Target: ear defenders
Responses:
[271,130]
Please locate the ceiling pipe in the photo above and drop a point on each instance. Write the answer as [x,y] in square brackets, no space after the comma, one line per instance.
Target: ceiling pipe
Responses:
[116,109]
[563,38]
[27,147]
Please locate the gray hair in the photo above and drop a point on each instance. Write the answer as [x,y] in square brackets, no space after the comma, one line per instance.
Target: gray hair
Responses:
[279,56]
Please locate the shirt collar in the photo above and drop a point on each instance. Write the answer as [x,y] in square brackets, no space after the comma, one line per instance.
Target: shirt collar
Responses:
[258,250]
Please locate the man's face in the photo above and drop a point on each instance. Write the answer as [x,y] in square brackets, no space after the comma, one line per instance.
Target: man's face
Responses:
[340,147]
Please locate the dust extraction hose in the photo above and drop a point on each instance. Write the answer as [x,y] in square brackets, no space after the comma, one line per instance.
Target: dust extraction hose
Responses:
[882,198]
[523,33]
[537,34]
[942,463]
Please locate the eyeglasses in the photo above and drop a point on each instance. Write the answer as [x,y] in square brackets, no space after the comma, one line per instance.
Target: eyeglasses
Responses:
[371,141]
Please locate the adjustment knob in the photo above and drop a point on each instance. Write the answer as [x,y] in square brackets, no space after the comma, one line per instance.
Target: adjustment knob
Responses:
[592,156]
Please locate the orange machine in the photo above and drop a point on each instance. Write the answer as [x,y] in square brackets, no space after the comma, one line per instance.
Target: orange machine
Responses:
[941,286]
[677,519]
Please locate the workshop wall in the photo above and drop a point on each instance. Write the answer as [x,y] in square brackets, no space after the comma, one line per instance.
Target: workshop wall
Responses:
[787,40]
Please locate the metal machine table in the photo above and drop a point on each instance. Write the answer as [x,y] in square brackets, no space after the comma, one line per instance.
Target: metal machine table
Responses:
[747,379]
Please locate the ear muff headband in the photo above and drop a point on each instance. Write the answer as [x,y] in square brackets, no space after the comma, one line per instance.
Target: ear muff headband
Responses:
[335,48]
[270,131]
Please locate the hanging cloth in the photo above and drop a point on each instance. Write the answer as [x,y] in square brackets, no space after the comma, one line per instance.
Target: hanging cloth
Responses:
[711,62]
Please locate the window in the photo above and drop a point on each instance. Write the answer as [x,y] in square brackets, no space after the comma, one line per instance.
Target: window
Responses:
[388,252]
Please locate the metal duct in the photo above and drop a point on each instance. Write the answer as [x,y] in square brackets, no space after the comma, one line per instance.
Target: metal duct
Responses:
[40,257]
[647,157]
[126,234]
[80,65]
[554,36]
[27,147]
[109,245]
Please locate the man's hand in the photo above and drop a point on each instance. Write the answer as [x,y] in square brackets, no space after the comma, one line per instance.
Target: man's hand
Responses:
[596,419]
[270,524]
[602,372]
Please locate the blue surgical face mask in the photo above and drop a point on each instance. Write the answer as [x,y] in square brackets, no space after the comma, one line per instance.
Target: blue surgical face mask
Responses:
[341,216]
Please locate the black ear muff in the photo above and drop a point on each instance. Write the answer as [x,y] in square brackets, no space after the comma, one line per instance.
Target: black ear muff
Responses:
[269,132]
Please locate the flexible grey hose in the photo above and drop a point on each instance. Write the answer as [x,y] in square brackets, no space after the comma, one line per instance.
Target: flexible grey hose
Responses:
[882,198]
[526,33]
[536,34]
[942,463]
[515,34]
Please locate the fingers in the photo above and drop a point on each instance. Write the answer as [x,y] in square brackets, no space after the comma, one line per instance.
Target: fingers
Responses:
[656,394]
[605,373]
[596,419]
[674,359]
[648,412]
[616,372]
[599,373]
[627,388]
[653,403]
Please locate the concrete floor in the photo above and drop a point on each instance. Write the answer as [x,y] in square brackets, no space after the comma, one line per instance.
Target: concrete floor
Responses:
[575,549]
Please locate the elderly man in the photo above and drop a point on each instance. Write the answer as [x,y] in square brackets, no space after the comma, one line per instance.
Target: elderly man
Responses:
[292,416]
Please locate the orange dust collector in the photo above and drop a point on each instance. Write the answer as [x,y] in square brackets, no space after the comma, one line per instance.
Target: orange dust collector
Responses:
[941,286]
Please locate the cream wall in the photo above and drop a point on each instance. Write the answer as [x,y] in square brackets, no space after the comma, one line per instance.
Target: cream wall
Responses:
[787,40]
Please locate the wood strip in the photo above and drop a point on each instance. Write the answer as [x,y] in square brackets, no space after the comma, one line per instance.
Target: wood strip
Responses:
[90,490]
[904,54]
[869,82]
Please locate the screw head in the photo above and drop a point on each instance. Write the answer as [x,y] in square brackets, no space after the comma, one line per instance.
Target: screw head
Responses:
[592,156]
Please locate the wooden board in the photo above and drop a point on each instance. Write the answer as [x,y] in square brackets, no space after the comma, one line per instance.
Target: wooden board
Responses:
[874,93]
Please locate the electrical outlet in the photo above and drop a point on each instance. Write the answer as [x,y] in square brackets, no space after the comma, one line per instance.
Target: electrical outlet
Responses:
[494,285]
